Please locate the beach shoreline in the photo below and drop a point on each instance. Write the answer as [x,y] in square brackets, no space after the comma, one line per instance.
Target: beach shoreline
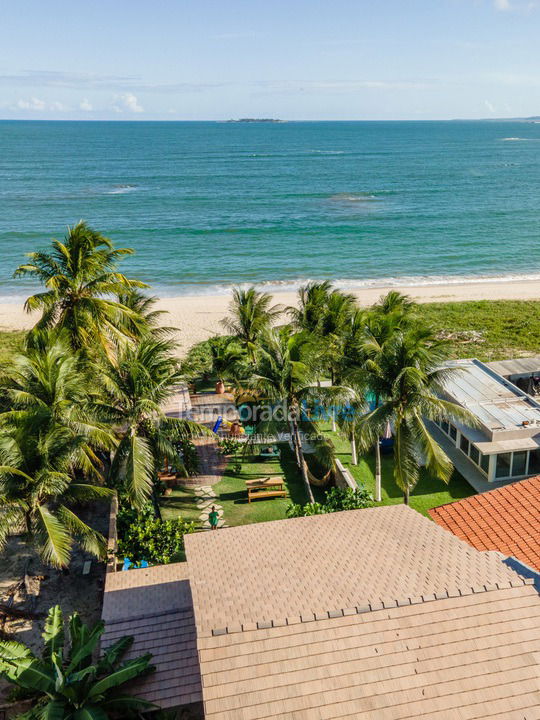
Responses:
[199,316]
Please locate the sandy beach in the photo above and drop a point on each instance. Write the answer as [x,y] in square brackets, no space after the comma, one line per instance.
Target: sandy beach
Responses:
[198,317]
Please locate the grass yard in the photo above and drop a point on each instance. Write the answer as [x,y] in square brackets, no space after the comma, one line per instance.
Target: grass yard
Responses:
[10,342]
[232,493]
[427,494]
[509,328]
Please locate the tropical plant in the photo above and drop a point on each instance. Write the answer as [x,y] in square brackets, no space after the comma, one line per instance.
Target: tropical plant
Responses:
[82,285]
[134,391]
[336,500]
[250,316]
[407,375]
[189,456]
[143,317]
[285,381]
[48,444]
[159,542]
[311,308]
[65,683]
[227,359]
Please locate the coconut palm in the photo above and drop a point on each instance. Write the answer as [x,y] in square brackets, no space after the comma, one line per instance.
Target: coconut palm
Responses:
[227,359]
[407,375]
[48,444]
[66,681]
[284,379]
[134,390]
[251,314]
[143,318]
[312,304]
[82,285]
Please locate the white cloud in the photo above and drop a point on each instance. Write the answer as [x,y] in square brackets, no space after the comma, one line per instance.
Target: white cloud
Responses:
[86,105]
[31,104]
[127,102]
[490,106]
[503,5]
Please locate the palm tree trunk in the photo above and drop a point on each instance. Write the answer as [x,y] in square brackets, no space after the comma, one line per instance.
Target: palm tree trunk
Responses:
[406,495]
[378,481]
[354,457]
[333,420]
[301,460]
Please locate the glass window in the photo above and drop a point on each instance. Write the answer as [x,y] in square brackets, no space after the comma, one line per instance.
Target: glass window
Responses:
[445,426]
[484,463]
[475,455]
[534,462]
[453,432]
[464,444]
[519,464]
[503,465]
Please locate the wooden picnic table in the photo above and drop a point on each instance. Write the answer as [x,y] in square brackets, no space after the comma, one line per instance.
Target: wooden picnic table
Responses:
[265,488]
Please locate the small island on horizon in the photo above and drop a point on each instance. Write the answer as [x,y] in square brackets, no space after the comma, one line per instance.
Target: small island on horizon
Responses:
[256,120]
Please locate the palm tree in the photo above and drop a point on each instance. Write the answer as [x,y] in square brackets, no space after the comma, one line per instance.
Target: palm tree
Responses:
[65,682]
[407,374]
[284,379]
[312,304]
[251,315]
[143,317]
[82,285]
[48,443]
[134,390]
[227,358]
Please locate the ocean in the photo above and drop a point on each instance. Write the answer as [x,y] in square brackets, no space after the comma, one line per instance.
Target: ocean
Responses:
[207,205]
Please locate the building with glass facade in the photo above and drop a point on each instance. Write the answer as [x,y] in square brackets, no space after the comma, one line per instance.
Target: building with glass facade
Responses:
[505,441]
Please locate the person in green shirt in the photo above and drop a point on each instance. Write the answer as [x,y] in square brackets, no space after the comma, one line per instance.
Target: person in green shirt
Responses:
[213,517]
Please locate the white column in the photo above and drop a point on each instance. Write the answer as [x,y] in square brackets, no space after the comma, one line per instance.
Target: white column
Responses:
[492,466]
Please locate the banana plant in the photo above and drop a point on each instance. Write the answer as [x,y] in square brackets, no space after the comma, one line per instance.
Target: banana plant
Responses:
[65,683]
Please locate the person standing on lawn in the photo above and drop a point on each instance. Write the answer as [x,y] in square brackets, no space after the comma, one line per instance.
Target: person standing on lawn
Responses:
[213,518]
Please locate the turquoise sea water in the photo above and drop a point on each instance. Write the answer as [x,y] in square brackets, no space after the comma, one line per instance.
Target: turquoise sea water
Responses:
[207,205]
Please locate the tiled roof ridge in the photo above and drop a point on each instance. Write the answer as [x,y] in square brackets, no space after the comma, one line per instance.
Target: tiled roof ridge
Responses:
[369,606]
[147,616]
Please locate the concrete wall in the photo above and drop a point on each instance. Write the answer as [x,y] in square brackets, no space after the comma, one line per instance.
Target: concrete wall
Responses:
[344,478]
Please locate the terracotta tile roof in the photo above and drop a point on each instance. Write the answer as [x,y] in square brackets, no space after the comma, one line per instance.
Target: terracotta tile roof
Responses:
[459,658]
[154,606]
[303,566]
[506,519]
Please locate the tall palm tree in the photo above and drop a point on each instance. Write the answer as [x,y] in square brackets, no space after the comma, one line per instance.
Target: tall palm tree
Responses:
[284,379]
[251,315]
[408,374]
[134,390]
[66,681]
[82,285]
[48,443]
[228,361]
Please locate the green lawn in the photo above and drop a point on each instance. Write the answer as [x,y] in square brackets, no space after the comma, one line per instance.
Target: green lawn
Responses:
[508,328]
[232,494]
[428,493]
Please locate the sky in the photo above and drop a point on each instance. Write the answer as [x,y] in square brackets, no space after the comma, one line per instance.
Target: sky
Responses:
[288,59]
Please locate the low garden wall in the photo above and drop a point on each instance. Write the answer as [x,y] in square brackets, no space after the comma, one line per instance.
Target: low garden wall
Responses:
[344,478]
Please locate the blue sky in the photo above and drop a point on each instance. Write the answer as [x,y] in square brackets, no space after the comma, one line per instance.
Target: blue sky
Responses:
[292,59]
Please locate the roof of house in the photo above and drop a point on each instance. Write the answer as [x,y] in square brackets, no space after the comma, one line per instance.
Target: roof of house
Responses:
[457,658]
[496,402]
[506,519]
[376,614]
[154,606]
[289,568]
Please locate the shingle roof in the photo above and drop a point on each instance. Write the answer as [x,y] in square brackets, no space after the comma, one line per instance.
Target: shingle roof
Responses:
[453,659]
[374,614]
[154,606]
[506,519]
[302,566]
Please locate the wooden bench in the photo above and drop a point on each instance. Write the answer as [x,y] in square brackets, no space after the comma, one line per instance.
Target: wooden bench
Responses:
[255,493]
